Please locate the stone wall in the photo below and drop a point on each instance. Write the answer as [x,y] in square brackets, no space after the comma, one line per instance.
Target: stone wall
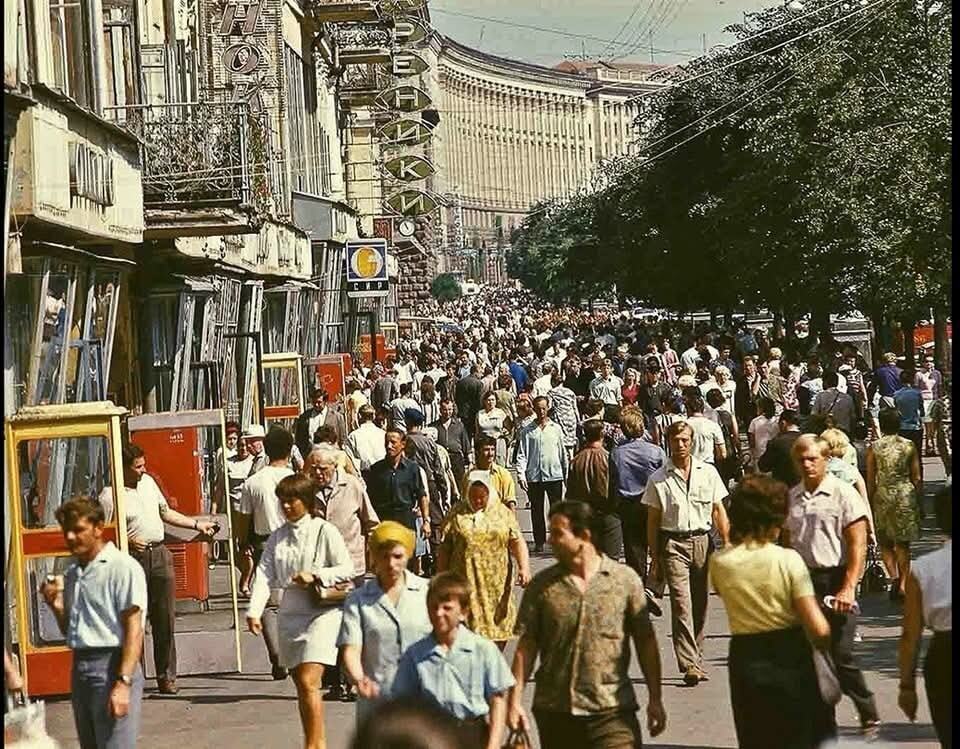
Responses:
[417,271]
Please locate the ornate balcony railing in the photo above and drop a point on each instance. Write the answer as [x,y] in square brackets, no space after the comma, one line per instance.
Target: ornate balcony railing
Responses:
[202,154]
[342,11]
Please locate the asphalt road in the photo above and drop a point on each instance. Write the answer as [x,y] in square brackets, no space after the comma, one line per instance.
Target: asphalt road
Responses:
[250,711]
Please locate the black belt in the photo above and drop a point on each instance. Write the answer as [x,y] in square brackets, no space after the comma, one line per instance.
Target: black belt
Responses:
[684,534]
[148,546]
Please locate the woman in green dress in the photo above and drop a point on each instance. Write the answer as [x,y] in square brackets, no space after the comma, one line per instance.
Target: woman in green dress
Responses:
[894,486]
[480,535]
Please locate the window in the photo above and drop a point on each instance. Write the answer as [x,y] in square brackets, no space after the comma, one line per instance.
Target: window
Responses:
[71,48]
[306,144]
[120,73]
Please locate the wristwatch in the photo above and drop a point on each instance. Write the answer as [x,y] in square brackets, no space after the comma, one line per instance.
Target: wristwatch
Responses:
[125,679]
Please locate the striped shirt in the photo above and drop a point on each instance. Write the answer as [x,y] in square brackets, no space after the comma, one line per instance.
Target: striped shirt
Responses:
[564,411]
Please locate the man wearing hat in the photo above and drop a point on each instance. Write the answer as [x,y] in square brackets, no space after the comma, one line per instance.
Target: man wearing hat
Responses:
[252,438]
[320,414]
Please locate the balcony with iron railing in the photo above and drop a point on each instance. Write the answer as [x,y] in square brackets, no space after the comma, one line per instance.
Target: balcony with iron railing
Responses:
[208,167]
[342,11]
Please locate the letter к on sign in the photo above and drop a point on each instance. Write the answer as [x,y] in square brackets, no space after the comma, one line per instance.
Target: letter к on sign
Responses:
[402,99]
[405,64]
[409,31]
[411,202]
[405,132]
[409,167]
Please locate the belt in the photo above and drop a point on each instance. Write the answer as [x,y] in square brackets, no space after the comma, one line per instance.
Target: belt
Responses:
[684,534]
[150,545]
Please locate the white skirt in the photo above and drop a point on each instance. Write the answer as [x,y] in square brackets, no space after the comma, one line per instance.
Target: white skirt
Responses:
[308,633]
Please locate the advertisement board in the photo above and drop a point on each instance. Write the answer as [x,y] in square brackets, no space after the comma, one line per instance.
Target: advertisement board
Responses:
[367,268]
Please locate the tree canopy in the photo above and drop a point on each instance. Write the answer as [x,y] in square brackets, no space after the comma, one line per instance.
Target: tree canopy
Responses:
[806,169]
[445,288]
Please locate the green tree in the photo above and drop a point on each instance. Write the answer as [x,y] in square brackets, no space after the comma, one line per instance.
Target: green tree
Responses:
[445,288]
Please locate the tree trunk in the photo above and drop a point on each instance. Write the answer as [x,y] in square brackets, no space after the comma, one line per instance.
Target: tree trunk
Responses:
[713,319]
[790,326]
[941,346]
[909,349]
[881,338]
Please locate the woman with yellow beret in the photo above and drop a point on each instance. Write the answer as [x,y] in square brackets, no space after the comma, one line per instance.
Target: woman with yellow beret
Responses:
[383,617]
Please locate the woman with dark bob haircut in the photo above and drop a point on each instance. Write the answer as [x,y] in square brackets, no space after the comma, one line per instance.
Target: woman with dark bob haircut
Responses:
[929,601]
[774,616]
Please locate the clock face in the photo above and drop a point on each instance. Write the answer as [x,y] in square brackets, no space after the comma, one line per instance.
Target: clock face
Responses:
[407,227]
[366,262]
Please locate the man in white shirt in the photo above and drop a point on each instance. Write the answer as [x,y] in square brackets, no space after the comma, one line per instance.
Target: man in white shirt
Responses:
[543,384]
[694,354]
[147,510]
[708,443]
[684,499]
[607,387]
[364,444]
[259,516]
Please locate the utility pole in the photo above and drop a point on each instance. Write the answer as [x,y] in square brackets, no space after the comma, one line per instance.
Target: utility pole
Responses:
[651,46]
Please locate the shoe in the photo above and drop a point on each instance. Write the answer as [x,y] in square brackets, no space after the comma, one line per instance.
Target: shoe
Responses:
[279,673]
[336,694]
[351,695]
[870,730]
[691,676]
[167,686]
[703,675]
[652,604]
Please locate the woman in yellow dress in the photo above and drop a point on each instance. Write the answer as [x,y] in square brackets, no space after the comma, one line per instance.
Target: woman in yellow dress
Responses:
[482,542]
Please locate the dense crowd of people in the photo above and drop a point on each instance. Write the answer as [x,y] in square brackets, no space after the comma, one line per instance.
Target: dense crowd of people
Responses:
[380,547]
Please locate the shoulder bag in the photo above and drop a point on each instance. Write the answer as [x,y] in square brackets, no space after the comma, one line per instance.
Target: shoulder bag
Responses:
[325,596]
[828,683]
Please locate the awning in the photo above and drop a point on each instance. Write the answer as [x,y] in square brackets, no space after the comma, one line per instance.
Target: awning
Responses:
[32,248]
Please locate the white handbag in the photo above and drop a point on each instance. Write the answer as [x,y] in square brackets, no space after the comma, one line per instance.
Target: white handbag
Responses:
[25,726]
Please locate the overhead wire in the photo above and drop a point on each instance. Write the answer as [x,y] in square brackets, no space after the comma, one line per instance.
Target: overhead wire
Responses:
[611,44]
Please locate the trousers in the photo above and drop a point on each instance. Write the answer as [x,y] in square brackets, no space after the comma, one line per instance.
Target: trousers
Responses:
[938,679]
[94,674]
[827,581]
[610,729]
[633,519]
[157,563]
[685,570]
[271,635]
[537,491]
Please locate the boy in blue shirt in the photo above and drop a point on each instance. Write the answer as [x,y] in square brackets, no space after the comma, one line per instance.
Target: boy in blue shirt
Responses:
[459,671]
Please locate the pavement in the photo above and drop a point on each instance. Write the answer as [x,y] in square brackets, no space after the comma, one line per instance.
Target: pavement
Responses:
[250,711]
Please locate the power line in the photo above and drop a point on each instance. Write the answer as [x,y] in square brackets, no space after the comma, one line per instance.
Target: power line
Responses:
[626,23]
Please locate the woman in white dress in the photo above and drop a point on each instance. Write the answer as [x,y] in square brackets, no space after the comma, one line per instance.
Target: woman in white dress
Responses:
[303,551]
[384,617]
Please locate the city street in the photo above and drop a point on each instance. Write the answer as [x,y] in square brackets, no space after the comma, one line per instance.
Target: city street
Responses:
[248,710]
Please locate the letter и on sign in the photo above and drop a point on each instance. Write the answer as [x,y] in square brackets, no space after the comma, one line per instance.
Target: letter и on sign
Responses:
[409,167]
[411,202]
[402,99]
[405,132]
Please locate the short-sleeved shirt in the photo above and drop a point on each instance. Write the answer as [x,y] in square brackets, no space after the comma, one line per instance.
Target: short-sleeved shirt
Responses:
[461,680]
[816,521]
[396,492]
[631,466]
[758,584]
[706,434]
[909,402]
[934,575]
[584,638]
[95,596]
[497,477]
[686,506]
[144,506]
[259,498]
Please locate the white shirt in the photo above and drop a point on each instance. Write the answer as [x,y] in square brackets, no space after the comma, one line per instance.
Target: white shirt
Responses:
[685,506]
[316,421]
[144,506]
[706,434]
[763,430]
[365,445]
[607,389]
[542,385]
[934,574]
[258,497]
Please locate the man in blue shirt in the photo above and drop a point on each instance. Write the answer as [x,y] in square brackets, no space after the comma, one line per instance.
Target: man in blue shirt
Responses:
[517,371]
[541,466]
[396,487]
[887,379]
[455,669]
[909,402]
[100,606]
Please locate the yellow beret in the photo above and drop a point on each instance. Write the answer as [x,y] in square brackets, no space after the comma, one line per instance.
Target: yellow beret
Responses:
[393,532]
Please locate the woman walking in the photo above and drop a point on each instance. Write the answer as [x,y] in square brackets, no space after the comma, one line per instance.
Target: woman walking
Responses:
[494,422]
[384,617]
[304,553]
[894,485]
[482,542]
[774,616]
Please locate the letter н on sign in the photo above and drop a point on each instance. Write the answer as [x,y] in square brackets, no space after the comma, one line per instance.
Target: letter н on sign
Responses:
[405,132]
[411,202]
[409,167]
[409,31]
[402,99]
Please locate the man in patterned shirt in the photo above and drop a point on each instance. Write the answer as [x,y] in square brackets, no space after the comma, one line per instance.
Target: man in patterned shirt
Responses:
[563,409]
[579,616]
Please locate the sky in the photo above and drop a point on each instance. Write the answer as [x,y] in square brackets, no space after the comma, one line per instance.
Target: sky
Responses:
[680,28]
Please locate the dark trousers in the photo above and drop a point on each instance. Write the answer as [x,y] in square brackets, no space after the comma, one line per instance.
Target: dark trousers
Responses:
[536,491]
[610,729]
[633,519]
[826,582]
[458,465]
[95,672]
[774,692]
[610,530]
[938,679]
[157,563]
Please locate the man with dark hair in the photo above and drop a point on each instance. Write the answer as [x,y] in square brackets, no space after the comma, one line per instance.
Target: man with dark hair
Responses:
[320,414]
[258,517]
[452,436]
[147,510]
[468,395]
[589,482]
[584,696]
[541,465]
[834,403]
[99,605]
[396,486]
[908,400]
[777,459]
[421,448]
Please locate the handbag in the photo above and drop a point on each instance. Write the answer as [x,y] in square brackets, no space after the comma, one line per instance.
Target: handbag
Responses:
[25,726]
[828,683]
[518,739]
[326,596]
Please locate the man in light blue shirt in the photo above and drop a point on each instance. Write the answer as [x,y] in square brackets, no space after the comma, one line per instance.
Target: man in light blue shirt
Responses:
[100,606]
[455,669]
[909,402]
[541,466]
